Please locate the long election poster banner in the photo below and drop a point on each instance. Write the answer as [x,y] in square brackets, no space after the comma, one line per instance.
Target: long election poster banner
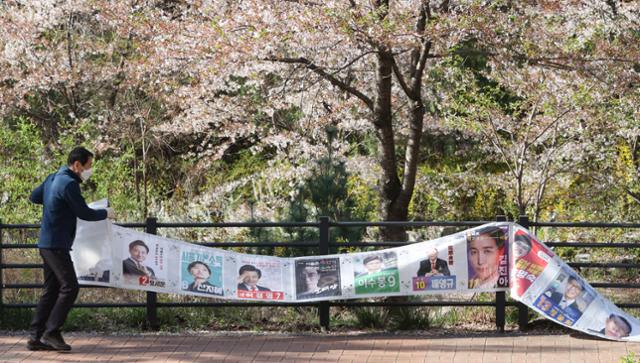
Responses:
[500,256]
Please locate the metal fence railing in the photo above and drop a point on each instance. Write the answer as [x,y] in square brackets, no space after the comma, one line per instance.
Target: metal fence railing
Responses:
[324,246]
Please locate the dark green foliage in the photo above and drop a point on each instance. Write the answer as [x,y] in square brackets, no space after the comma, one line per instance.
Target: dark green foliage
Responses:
[326,193]
[409,318]
[372,317]
[23,167]
[469,57]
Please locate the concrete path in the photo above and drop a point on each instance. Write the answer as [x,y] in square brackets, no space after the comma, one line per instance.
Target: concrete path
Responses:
[329,348]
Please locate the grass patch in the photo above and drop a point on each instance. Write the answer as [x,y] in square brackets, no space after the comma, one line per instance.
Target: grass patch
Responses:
[630,358]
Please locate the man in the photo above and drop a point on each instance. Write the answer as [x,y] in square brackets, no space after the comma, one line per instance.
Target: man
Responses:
[133,266]
[308,280]
[62,204]
[567,301]
[372,264]
[521,245]
[313,282]
[433,266]
[616,327]
[248,279]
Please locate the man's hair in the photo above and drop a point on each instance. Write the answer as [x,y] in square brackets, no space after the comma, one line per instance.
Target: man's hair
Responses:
[573,278]
[524,239]
[138,243]
[79,154]
[494,232]
[371,258]
[192,265]
[249,268]
[625,321]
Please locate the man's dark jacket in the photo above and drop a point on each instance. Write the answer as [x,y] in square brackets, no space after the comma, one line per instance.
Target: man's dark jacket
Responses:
[572,310]
[129,268]
[441,266]
[62,204]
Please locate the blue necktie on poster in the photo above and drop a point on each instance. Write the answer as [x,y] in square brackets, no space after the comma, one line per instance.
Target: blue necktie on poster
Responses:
[499,256]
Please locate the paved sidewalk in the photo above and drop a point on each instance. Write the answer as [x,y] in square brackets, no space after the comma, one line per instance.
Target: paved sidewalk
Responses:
[317,348]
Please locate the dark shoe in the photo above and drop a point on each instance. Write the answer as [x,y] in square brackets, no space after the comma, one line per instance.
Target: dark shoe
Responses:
[36,344]
[55,341]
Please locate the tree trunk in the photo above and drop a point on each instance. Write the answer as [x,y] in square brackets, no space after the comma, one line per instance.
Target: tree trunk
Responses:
[398,208]
[391,186]
[397,194]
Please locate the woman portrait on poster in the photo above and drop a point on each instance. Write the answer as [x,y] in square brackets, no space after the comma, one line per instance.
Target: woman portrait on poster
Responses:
[484,249]
[201,272]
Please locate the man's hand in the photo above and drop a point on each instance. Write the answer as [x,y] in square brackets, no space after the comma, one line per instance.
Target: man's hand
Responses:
[242,278]
[111,214]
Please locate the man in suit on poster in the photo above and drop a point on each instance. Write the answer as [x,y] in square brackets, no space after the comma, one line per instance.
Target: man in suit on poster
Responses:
[433,266]
[248,279]
[373,264]
[567,301]
[133,266]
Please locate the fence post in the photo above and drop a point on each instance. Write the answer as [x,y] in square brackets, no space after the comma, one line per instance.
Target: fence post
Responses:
[523,311]
[152,298]
[1,270]
[323,307]
[501,299]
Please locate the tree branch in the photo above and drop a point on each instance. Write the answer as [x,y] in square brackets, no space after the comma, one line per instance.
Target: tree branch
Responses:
[422,61]
[553,123]
[495,140]
[634,196]
[327,76]
[425,14]
[354,60]
[400,78]
[418,61]
[302,2]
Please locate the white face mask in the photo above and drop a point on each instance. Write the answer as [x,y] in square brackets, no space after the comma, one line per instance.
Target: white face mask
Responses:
[85,174]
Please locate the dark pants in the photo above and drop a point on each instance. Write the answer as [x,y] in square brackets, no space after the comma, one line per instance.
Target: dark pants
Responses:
[60,291]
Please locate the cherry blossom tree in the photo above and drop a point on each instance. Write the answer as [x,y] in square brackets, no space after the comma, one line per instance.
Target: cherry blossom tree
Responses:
[531,87]
[362,66]
[199,80]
